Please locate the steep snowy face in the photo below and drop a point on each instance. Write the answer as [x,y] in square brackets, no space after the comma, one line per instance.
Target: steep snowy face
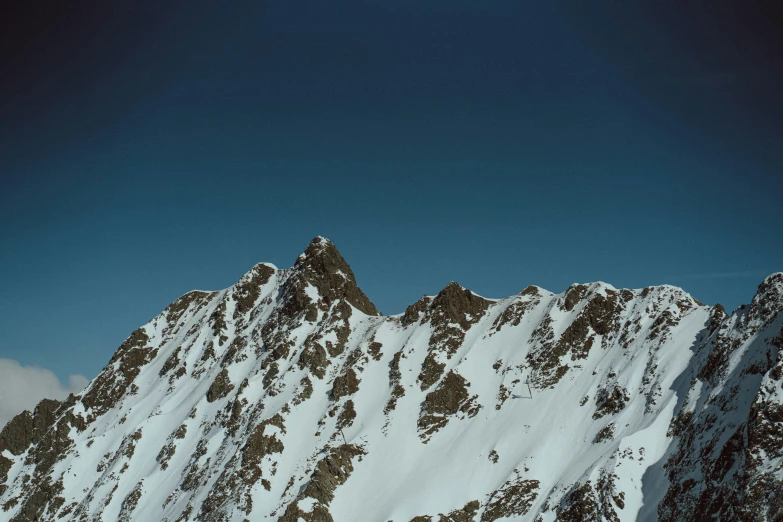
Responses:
[288,397]
[727,460]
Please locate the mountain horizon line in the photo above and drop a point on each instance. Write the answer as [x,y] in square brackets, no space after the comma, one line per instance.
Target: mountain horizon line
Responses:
[327,243]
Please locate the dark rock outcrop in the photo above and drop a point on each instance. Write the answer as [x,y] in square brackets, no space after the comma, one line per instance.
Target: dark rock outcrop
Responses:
[322,266]
[449,399]
[220,387]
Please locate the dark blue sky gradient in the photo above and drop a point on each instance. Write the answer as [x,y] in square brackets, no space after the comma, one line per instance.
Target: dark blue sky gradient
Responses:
[147,150]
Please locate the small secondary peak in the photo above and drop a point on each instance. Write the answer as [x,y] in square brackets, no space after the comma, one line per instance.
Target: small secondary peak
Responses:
[457,302]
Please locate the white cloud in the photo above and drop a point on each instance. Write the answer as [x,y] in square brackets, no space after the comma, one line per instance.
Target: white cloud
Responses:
[77,383]
[22,387]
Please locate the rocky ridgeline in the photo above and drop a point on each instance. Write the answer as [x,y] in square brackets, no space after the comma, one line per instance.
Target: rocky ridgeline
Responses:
[289,397]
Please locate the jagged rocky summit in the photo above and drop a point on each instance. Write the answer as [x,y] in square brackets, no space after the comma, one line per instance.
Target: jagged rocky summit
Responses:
[288,397]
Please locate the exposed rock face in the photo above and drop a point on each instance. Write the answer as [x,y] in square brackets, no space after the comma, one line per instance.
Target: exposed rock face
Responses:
[331,471]
[221,386]
[455,304]
[450,314]
[514,498]
[610,401]
[449,399]
[106,390]
[17,434]
[513,314]
[248,289]
[322,266]
[45,432]
[414,311]
[287,397]
[728,457]
[346,384]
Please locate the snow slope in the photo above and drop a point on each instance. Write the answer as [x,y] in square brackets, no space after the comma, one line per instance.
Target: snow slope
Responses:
[289,397]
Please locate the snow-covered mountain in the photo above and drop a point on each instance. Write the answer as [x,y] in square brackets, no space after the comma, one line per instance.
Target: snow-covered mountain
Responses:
[288,397]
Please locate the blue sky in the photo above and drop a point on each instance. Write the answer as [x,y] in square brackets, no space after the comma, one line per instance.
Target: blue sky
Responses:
[146,151]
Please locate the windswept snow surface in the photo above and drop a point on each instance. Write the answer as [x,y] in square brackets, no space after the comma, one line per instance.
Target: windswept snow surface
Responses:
[287,397]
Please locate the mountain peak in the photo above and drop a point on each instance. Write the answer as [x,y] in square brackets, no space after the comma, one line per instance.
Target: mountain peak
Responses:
[322,265]
[775,278]
[459,304]
[317,246]
[768,300]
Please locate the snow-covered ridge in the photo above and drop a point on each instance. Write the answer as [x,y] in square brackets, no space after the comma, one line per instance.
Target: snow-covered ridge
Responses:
[288,397]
